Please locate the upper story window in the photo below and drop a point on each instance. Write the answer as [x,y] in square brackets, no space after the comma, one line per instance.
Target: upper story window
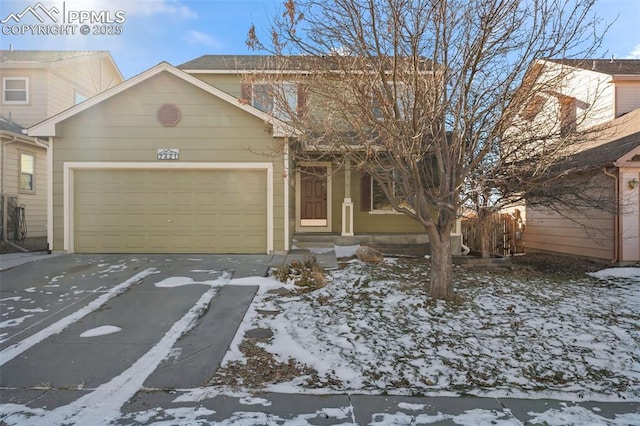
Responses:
[277,99]
[15,90]
[397,93]
[27,172]
[78,97]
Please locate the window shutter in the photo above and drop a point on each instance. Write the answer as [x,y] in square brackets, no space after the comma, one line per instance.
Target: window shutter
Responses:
[246,93]
[302,100]
[365,192]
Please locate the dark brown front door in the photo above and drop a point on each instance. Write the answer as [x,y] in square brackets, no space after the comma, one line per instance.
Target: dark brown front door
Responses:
[313,196]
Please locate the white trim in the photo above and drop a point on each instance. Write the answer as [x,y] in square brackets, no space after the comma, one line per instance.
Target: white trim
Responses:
[50,194]
[310,225]
[48,126]
[347,218]
[286,181]
[68,186]
[4,91]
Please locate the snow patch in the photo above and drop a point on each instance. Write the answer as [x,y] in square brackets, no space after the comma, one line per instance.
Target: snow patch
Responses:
[101,331]
[346,251]
[255,401]
[625,273]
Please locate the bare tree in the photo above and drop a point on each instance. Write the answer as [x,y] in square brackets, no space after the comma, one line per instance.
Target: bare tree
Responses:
[422,94]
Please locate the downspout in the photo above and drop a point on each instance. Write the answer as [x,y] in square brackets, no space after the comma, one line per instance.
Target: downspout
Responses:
[616,218]
[286,194]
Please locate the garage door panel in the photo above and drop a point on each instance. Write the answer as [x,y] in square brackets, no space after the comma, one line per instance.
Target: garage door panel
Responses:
[163,211]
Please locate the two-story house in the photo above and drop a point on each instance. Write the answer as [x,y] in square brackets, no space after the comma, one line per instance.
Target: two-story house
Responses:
[600,98]
[37,85]
[192,159]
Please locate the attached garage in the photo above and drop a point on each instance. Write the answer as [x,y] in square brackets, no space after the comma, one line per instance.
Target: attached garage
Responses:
[170,211]
[166,163]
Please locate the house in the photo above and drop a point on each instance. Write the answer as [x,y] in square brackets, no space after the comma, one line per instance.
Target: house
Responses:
[36,85]
[607,95]
[185,159]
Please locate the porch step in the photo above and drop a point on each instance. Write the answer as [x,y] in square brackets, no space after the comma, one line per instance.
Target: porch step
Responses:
[312,244]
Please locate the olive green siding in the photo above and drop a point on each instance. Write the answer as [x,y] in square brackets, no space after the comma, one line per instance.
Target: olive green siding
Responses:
[229,83]
[124,128]
[366,222]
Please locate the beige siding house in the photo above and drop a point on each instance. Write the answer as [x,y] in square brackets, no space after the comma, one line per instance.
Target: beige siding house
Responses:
[609,164]
[37,85]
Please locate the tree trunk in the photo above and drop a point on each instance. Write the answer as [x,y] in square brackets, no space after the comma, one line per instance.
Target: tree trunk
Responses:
[441,285]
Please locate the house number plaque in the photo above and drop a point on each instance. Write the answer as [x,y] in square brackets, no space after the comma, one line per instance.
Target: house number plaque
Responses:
[168,154]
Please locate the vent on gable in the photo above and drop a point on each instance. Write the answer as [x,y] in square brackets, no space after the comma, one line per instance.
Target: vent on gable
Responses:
[168,115]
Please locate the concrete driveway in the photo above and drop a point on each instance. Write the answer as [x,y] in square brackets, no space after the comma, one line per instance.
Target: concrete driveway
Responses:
[116,324]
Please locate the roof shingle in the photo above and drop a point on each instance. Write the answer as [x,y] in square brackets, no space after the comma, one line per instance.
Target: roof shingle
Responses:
[605,66]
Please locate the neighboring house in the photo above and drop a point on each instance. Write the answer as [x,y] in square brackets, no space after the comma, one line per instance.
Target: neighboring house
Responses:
[607,92]
[593,91]
[185,160]
[35,86]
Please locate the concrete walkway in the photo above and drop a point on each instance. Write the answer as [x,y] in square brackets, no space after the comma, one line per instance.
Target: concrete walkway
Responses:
[278,408]
[11,260]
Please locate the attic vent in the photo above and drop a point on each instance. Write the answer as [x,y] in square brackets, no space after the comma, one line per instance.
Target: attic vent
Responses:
[168,115]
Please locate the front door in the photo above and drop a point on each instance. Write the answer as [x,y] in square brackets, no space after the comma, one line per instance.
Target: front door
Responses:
[313,196]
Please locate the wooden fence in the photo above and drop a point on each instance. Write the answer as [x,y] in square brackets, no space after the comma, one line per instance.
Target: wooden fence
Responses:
[505,235]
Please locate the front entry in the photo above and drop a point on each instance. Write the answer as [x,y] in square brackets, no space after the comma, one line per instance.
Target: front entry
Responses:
[314,198]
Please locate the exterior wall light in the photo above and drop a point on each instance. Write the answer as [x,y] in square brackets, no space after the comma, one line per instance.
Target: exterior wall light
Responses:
[633,183]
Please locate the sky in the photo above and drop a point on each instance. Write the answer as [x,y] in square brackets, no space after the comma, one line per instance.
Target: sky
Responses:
[146,32]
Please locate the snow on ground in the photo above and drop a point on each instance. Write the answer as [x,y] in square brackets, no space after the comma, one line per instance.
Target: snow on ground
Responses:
[373,329]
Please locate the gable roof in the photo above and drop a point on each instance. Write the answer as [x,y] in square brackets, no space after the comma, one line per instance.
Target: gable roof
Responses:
[604,66]
[607,144]
[48,126]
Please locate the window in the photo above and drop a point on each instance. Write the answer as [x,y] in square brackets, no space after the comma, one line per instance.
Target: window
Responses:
[379,200]
[372,197]
[78,97]
[271,98]
[15,90]
[27,173]
[402,96]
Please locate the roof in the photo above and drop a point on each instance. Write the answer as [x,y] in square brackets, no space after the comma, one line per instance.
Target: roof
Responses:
[292,63]
[605,66]
[230,63]
[608,143]
[44,56]
[18,59]
[14,130]
[48,126]
[10,126]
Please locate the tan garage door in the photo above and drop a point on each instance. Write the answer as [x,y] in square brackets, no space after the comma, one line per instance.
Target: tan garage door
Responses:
[170,211]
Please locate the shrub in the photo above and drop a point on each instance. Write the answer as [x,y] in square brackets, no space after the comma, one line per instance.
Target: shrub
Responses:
[303,273]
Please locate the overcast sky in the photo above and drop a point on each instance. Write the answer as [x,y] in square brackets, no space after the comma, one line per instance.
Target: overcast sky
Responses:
[180,30]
